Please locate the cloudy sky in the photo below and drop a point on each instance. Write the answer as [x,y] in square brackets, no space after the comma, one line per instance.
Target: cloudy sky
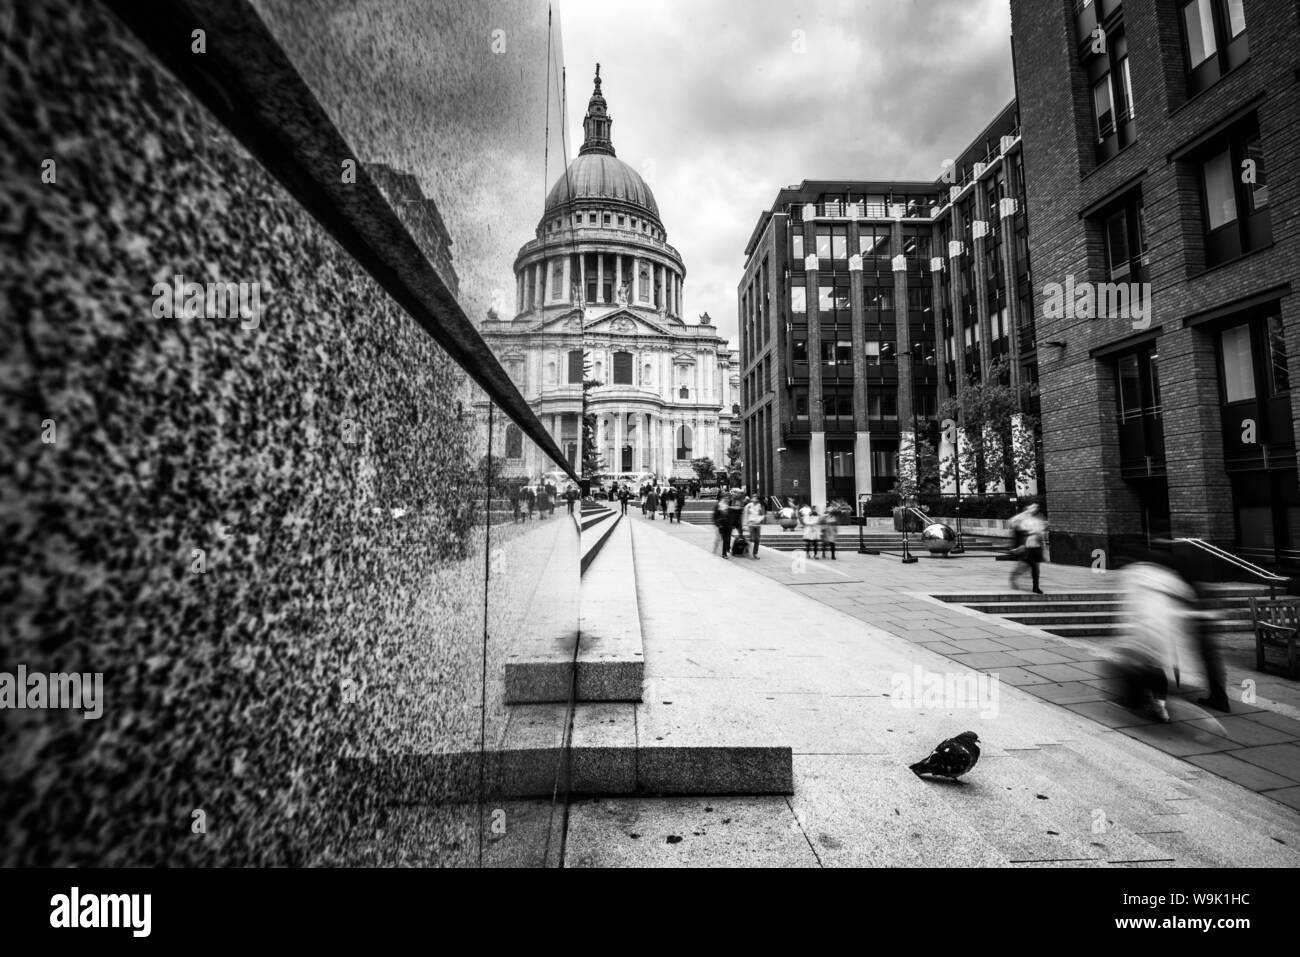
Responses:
[721,103]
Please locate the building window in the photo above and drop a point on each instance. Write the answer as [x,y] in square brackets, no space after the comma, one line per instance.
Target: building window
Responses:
[836,352]
[1124,232]
[591,218]
[1277,355]
[1234,196]
[837,403]
[839,243]
[1238,370]
[622,368]
[644,293]
[1112,97]
[606,219]
[823,242]
[557,280]
[575,366]
[796,246]
[514,442]
[1214,40]
[799,400]
[873,352]
[799,350]
[621,220]
[684,437]
[798,300]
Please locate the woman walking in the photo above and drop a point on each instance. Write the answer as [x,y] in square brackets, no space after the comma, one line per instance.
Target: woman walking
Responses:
[812,533]
[722,521]
[829,529]
[755,516]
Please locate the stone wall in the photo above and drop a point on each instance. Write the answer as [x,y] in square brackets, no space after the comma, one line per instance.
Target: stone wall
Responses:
[266,532]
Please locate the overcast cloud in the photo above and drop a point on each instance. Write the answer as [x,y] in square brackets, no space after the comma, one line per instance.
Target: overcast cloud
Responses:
[712,104]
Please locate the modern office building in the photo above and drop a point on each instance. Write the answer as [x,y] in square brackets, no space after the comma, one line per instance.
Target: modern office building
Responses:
[864,305]
[1162,145]
[600,281]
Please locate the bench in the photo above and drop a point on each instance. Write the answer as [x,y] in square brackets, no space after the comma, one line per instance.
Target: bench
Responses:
[1277,625]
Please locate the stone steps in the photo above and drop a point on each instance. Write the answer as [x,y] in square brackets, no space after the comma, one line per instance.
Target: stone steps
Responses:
[609,661]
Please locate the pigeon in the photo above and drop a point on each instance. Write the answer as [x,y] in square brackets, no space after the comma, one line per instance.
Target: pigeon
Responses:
[952,758]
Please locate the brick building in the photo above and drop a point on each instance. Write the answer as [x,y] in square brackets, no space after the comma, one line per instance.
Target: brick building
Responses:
[1162,146]
[864,305]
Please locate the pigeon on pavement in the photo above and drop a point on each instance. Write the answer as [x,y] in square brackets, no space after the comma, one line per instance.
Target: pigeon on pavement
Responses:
[952,758]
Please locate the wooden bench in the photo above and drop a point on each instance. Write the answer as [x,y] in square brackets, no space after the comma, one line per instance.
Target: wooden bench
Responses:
[1277,625]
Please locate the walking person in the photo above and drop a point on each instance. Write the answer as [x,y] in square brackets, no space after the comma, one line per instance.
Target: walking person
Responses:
[624,496]
[680,499]
[666,502]
[1160,632]
[722,521]
[1033,527]
[571,496]
[830,529]
[532,500]
[652,503]
[812,532]
[755,516]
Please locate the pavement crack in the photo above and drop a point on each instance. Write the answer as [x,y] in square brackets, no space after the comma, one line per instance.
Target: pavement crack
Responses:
[799,824]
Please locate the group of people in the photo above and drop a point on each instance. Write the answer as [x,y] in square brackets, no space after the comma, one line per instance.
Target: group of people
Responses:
[664,500]
[741,515]
[541,499]
[819,530]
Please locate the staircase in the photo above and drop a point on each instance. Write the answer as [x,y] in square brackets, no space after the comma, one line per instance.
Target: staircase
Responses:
[1091,614]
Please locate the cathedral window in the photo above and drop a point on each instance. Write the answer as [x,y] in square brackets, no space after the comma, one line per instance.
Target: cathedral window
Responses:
[622,368]
[514,442]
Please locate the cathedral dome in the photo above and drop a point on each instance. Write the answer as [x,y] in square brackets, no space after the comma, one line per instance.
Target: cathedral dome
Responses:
[601,176]
[597,173]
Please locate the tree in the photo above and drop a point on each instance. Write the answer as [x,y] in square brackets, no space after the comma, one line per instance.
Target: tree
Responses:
[923,473]
[734,461]
[704,468]
[593,463]
[992,449]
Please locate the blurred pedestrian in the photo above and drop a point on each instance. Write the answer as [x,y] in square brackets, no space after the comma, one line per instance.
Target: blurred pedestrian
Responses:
[830,529]
[812,532]
[1030,525]
[652,503]
[722,522]
[755,516]
[1159,605]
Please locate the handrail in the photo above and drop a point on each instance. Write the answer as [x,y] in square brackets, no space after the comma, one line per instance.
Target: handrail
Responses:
[1236,560]
[775,503]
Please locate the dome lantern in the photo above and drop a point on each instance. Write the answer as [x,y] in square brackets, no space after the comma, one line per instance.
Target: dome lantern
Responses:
[596,124]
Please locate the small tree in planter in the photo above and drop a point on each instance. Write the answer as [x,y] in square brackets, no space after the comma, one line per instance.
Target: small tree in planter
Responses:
[993,451]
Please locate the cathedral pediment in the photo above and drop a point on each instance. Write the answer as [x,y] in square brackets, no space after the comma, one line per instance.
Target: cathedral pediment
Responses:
[624,322]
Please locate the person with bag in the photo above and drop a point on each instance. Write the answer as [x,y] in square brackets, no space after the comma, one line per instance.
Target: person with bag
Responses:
[652,502]
[722,522]
[755,516]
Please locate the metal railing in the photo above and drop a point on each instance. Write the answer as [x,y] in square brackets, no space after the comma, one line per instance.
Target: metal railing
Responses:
[1264,576]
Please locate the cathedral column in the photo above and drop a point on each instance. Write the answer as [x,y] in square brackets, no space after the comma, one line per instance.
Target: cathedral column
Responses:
[582,277]
[567,292]
[600,277]
[620,427]
[519,292]
[618,275]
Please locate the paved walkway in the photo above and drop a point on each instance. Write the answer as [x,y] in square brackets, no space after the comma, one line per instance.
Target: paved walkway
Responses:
[838,661]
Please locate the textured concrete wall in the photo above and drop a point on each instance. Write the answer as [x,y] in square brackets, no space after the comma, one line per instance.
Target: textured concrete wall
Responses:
[211,526]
